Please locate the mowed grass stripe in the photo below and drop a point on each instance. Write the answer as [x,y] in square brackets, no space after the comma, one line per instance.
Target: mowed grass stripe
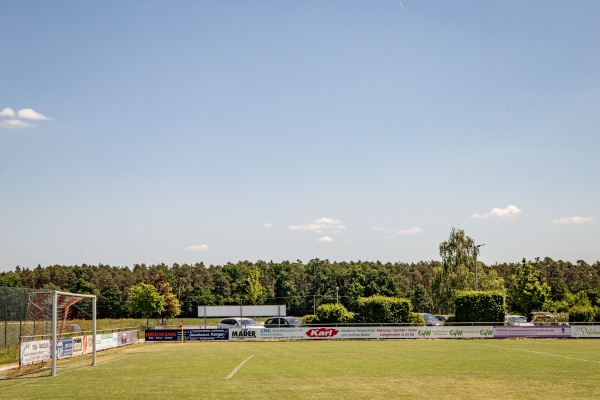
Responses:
[545,354]
[469,369]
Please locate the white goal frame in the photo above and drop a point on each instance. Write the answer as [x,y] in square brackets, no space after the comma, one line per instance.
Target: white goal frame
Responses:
[53,354]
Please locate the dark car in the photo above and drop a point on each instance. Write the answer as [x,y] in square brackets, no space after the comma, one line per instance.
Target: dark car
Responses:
[283,322]
[430,320]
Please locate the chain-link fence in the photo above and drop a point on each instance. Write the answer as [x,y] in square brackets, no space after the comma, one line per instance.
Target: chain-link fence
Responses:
[13,312]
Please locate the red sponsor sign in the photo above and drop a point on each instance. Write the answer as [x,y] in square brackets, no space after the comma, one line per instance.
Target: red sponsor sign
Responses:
[321,332]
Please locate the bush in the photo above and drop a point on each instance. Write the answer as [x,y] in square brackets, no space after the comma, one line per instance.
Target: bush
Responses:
[548,318]
[582,314]
[381,309]
[474,306]
[417,319]
[332,314]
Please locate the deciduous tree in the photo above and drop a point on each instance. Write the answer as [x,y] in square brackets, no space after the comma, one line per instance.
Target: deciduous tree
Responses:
[457,257]
[146,301]
[527,292]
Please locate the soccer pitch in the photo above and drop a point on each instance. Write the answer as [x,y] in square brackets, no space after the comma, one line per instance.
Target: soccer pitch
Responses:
[329,369]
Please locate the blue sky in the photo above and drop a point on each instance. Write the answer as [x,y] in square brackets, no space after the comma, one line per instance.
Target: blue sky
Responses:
[217,131]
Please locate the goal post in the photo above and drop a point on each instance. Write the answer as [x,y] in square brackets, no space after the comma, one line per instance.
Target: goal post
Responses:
[68,299]
[56,326]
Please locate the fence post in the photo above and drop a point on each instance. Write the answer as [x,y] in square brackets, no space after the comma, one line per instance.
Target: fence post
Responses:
[6,317]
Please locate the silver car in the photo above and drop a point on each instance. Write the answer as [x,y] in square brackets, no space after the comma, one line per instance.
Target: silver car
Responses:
[517,320]
[430,320]
[237,322]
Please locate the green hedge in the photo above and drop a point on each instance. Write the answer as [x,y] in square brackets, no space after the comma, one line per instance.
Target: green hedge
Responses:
[381,309]
[582,314]
[417,319]
[329,314]
[472,306]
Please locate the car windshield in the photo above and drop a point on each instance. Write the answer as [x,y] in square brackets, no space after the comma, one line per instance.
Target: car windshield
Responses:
[516,319]
[293,321]
[429,317]
[249,322]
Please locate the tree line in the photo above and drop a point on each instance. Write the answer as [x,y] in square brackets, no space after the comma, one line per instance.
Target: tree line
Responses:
[430,285]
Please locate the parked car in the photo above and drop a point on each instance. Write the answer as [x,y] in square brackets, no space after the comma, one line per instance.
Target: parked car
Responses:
[238,322]
[516,320]
[430,320]
[283,322]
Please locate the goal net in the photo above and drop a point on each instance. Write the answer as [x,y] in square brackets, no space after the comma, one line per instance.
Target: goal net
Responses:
[57,326]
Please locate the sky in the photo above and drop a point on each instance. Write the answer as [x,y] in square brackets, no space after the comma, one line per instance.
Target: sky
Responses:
[222,131]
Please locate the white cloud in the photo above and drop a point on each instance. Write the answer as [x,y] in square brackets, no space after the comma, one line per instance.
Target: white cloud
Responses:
[325,239]
[320,225]
[398,232]
[268,224]
[197,247]
[15,124]
[28,113]
[8,112]
[509,212]
[572,220]
[17,117]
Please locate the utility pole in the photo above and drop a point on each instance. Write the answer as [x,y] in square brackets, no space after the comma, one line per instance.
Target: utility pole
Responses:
[476,250]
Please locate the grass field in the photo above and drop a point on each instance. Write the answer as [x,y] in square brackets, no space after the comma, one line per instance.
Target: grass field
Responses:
[386,369]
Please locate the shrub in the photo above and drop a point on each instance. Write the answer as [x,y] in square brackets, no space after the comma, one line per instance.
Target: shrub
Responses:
[472,306]
[332,314]
[416,319]
[548,318]
[582,314]
[382,309]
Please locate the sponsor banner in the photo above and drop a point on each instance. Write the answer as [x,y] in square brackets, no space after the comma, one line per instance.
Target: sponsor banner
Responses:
[288,333]
[585,331]
[207,334]
[35,352]
[540,331]
[244,333]
[409,332]
[88,344]
[64,348]
[78,345]
[279,333]
[455,332]
[110,340]
[39,350]
[127,337]
[107,341]
[163,335]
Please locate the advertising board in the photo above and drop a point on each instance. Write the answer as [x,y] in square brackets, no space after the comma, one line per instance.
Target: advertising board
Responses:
[242,311]
[455,332]
[585,331]
[64,348]
[35,352]
[408,332]
[541,331]
[163,335]
[107,341]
